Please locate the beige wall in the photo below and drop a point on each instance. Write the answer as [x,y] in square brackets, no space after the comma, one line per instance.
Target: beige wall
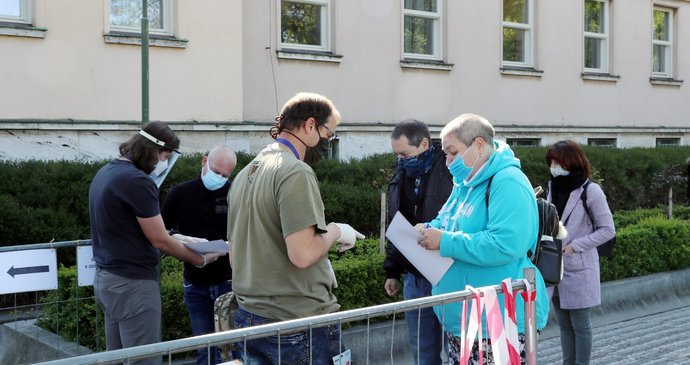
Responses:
[73,74]
[369,86]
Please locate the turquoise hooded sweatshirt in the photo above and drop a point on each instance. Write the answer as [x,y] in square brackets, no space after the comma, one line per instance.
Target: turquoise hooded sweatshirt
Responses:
[488,246]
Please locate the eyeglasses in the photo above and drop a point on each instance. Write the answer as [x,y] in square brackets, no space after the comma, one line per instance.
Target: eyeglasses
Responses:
[333,135]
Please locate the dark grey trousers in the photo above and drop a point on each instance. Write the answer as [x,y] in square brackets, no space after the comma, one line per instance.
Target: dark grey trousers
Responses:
[132,311]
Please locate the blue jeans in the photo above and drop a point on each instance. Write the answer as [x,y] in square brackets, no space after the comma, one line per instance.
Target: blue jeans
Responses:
[576,333]
[199,301]
[423,328]
[290,349]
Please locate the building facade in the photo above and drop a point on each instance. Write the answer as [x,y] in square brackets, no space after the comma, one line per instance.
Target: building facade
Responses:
[601,72]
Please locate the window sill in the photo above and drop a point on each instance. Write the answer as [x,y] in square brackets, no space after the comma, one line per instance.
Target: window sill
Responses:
[666,81]
[426,64]
[521,71]
[309,56]
[22,30]
[154,40]
[593,76]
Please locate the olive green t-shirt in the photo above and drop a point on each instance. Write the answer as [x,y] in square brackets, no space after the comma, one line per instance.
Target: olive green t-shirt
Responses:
[274,196]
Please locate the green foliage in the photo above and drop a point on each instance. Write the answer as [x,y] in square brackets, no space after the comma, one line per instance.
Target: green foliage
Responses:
[651,245]
[72,312]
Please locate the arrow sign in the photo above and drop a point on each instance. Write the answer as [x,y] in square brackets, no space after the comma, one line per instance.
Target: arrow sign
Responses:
[28,270]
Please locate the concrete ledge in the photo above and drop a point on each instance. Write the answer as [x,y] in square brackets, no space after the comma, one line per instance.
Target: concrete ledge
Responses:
[626,299]
[23,342]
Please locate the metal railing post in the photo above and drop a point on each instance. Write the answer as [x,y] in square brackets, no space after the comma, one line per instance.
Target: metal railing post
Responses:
[531,330]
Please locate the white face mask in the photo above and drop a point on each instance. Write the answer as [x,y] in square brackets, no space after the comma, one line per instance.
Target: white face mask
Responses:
[161,166]
[557,170]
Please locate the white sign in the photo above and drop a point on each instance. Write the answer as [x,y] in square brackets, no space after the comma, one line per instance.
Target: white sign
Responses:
[86,267]
[30,270]
[344,358]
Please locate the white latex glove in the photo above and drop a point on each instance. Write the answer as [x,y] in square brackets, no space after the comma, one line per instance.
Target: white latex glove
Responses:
[211,257]
[330,268]
[188,239]
[348,236]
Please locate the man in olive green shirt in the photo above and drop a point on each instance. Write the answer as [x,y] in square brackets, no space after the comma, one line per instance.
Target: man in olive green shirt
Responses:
[280,239]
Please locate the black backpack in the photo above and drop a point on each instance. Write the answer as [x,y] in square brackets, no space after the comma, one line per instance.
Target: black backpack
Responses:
[548,257]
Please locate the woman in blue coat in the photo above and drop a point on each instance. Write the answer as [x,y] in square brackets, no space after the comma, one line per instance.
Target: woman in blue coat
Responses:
[487,242]
[579,290]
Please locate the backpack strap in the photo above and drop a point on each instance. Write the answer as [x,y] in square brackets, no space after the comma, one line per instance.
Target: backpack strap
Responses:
[583,197]
[488,190]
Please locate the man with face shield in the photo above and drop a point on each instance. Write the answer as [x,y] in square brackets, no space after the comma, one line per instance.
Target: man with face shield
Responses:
[199,208]
[419,188]
[280,239]
[128,234]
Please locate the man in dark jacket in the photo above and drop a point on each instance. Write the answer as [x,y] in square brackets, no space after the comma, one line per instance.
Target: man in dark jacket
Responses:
[199,208]
[419,188]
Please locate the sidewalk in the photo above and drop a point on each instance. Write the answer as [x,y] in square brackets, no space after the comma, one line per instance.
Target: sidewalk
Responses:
[661,338]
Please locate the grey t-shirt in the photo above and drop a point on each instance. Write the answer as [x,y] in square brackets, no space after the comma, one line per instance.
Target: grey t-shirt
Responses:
[274,196]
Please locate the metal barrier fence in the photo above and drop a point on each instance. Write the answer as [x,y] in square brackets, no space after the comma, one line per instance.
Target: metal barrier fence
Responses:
[169,348]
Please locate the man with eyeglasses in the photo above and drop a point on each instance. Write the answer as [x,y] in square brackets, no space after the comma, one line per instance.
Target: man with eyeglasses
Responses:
[280,239]
[419,188]
[199,208]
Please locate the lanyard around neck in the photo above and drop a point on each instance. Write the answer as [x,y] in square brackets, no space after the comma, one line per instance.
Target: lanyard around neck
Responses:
[289,145]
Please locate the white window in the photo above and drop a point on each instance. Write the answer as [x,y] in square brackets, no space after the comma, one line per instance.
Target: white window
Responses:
[125,16]
[15,11]
[305,25]
[422,29]
[662,43]
[596,42]
[518,35]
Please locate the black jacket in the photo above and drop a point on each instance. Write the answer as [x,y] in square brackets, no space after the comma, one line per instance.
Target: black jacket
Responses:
[435,187]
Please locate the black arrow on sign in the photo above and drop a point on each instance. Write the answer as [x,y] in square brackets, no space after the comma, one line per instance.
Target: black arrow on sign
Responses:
[27,270]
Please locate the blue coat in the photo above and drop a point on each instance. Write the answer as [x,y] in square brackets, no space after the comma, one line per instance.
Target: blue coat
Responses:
[580,286]
[488,246]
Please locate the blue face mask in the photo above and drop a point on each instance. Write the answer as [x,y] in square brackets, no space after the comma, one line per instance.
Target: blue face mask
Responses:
[418,165]
[458,169]
[211,180]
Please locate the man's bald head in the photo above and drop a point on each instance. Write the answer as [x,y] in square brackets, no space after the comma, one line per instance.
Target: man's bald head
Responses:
[221,160]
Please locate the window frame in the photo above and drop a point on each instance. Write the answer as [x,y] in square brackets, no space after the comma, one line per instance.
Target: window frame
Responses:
[669,49]
[523,142]
[603,142]
[25,14]
[667,142]
[168,21]
[326,25]
[529,37]
[604,37]
[437,17]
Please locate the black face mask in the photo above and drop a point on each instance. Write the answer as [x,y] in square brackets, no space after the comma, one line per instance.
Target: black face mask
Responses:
[314,154]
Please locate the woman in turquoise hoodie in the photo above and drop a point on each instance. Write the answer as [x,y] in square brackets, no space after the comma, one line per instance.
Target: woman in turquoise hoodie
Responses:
[486,244]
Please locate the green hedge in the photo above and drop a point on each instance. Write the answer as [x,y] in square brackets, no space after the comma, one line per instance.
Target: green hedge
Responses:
[652,244]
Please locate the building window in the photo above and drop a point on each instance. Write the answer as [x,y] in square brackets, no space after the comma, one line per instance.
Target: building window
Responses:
[517,33]
[523,142]
[662,43]
[602,142]
[305,24]
[668,142]
[596,36]
[422,29]
[15,11]
[125,16]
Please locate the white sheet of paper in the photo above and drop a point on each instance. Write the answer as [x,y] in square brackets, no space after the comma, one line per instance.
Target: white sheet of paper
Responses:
[208,246]
[429,262]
